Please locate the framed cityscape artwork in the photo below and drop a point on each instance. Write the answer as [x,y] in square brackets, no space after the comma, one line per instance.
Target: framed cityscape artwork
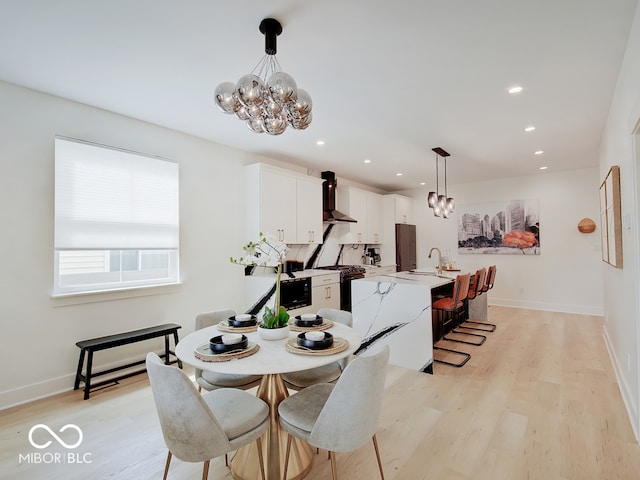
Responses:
[507,228]
[610,218]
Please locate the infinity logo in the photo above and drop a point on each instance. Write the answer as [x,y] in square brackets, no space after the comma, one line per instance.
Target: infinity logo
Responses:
[53,434]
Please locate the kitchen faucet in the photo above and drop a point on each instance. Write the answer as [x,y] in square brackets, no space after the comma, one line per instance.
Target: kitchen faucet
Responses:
[439,258]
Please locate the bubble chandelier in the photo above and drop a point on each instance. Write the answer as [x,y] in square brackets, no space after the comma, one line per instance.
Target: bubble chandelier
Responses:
[267,99]
[441,204]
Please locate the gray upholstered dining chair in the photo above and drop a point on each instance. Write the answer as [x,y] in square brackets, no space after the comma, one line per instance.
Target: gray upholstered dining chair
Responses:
[197,428]
[339,417]
[326,373]
[210,380]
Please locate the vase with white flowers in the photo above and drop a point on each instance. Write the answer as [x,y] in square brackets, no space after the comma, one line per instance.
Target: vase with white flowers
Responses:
[268,252]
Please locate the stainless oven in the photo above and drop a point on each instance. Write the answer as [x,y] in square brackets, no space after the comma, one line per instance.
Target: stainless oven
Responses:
[295,292]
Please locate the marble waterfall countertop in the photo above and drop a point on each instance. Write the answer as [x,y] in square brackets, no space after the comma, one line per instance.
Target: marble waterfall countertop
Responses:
[428,278]
[395,309]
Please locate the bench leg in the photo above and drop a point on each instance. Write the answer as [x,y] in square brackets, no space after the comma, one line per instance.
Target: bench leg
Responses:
[166,350]
[76,384]
[175,344]
[87,381]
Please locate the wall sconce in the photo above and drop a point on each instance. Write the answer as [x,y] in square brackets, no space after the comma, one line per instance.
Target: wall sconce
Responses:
[586,225]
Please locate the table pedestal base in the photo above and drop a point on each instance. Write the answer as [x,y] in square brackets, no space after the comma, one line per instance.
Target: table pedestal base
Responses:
[245,463]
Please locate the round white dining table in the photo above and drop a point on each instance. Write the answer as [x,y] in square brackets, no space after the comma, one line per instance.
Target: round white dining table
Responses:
[271,360]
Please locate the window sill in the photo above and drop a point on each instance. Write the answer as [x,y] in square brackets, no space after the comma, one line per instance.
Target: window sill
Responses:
[108,295]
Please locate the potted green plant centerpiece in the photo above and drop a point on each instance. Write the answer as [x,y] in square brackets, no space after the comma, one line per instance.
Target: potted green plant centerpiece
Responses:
[268,252]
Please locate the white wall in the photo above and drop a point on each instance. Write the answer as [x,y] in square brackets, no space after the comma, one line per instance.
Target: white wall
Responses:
[621,297]
[566,276]
[39,334]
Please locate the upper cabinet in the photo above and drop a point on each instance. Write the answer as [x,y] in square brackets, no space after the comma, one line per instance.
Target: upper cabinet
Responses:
[401,208]
[309,209]
[366,208]
[374,218]
[284,203]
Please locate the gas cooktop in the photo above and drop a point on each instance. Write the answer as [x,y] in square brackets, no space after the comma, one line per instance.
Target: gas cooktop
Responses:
[347,270]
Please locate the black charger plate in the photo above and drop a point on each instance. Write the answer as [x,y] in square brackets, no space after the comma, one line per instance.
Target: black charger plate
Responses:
[326,342]
[308,323]
[216,345]
[242,323]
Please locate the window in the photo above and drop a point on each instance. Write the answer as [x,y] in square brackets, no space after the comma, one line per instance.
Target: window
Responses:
[116,219]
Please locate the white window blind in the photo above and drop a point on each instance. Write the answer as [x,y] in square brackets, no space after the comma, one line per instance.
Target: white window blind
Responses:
[107,198]
[116,219]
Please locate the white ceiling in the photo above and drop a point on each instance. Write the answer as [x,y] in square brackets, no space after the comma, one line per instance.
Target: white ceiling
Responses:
[389,79]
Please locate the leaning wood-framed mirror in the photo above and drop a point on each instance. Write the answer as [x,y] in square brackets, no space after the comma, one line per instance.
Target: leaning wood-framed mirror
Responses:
[610,218]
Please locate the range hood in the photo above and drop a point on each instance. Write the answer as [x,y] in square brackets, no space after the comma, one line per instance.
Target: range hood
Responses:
[329,212]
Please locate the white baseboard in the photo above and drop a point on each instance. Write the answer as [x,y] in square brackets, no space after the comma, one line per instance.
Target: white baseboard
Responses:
[54,386]
[549,307]
[36,391]
[627,397]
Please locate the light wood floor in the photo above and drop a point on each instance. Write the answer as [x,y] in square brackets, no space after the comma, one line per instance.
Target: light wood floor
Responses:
[537,401]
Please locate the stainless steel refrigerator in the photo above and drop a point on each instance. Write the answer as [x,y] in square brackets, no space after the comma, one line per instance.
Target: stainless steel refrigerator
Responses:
[405,247]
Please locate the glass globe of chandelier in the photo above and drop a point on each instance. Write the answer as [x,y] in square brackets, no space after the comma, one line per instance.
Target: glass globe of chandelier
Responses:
[442,205]
[267,99]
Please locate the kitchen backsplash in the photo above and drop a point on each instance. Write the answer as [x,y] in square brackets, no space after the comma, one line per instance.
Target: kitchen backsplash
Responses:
[328,252]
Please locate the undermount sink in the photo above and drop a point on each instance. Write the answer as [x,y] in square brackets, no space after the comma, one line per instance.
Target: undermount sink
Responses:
[426,272]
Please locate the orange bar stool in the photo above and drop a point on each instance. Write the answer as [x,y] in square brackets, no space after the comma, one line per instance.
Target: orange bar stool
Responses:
[476,288]
[491,278]
[447,310]
[488,285]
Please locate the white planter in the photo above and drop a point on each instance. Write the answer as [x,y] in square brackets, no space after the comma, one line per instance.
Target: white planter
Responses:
[273,333]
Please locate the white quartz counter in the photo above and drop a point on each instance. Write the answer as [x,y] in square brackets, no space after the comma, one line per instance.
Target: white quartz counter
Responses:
[270,273]
[427,278]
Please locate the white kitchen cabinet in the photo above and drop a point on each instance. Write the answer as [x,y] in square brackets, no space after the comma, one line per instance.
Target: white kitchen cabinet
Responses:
[325,291]
[403,208]
[284,203]
[366,208]
[374,218]
[309,210]
[278,206]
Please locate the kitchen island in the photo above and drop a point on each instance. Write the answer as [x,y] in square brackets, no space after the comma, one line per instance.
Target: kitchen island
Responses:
[395,309]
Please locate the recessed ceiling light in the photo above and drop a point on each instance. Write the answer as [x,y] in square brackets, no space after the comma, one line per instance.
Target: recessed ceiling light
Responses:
[515,89]
[423,183]
[538,152]
[367,161]
[398,174]
[320,142]
[530,128]
[543,168]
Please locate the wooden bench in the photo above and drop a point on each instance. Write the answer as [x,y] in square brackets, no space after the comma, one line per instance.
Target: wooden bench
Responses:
[111,341]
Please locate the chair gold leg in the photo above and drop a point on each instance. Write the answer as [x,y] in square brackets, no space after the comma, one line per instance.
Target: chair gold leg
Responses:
[260,457]
[166,467]
[286,456]
[205,470]
[334,469]
[375,445]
